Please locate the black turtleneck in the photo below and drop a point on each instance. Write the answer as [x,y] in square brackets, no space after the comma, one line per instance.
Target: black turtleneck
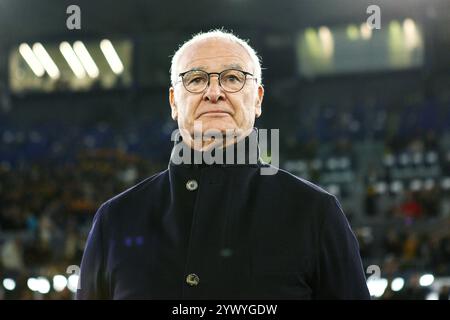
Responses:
[243,152]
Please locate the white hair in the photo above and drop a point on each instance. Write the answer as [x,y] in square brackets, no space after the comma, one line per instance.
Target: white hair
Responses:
[216,34]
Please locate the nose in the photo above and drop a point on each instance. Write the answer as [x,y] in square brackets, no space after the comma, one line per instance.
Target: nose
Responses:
[214,92]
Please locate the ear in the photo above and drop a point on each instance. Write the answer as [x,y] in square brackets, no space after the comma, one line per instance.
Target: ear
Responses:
[173,106]
[259,101]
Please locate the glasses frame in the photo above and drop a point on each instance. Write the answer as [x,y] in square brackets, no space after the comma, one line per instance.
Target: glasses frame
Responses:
[218,78]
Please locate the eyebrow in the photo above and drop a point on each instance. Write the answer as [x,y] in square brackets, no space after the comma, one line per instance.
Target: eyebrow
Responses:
[233,66]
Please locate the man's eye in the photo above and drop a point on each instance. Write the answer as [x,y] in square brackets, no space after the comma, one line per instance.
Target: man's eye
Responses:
[196,80]
[232,78]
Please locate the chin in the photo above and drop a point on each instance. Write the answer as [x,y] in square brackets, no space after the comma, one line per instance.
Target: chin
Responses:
[218,126]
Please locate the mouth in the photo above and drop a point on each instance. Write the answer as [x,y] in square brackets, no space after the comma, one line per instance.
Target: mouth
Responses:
[215,113]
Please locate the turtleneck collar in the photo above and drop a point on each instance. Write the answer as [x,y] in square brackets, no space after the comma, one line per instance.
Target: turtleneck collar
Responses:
[244,152]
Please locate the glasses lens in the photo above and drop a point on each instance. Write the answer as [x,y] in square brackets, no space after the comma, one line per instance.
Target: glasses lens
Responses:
[232,80]
[195,81]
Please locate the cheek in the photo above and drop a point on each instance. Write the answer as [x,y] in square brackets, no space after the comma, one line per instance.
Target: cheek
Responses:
[187,106]
[247,109]
[242,116]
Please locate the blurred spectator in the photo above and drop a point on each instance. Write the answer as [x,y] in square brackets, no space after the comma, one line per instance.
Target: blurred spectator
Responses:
[430,202]
[444,293]
[413,290]
[410,247]
[371,201]
[392,243]
[12,255]
[411,207]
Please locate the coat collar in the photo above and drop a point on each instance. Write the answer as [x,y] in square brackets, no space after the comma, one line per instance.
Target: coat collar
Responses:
[243,153]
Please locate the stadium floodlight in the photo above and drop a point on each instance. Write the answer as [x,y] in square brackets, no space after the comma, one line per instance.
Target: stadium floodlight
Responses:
[332,164]
[409,25]
[345,163]
[43,285]
[46,61]
[31,59]
[426,280]
[59,282]
[366,31]
[32,284]
[431,157]
[86,59]
[416,185]
[327,41]
[381,187]
[396,186]
[377,287]
[72,282]
[72,59]
[9,284]
[411,34]
[111,56]
[418,158]
[334,189]
[389,160]
[397,284]
[352,32]
[405,159]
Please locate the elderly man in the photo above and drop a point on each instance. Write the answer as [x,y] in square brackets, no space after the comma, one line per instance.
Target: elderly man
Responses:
[221,230]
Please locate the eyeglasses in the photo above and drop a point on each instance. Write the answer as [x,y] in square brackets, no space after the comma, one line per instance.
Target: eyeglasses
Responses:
[230,80]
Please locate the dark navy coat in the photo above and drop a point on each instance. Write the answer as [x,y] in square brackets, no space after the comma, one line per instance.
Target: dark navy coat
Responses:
[222,232]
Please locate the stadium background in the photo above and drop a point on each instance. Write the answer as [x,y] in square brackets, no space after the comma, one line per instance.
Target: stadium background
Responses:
[363,113]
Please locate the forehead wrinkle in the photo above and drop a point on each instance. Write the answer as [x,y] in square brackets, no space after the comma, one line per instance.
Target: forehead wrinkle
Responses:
[201,68]
[225,67]
[205,67]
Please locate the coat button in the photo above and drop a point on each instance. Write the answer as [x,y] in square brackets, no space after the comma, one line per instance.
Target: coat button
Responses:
[192,279]
[191,185]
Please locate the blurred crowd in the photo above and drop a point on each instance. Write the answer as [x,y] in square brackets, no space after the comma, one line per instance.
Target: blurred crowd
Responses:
[47,212]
